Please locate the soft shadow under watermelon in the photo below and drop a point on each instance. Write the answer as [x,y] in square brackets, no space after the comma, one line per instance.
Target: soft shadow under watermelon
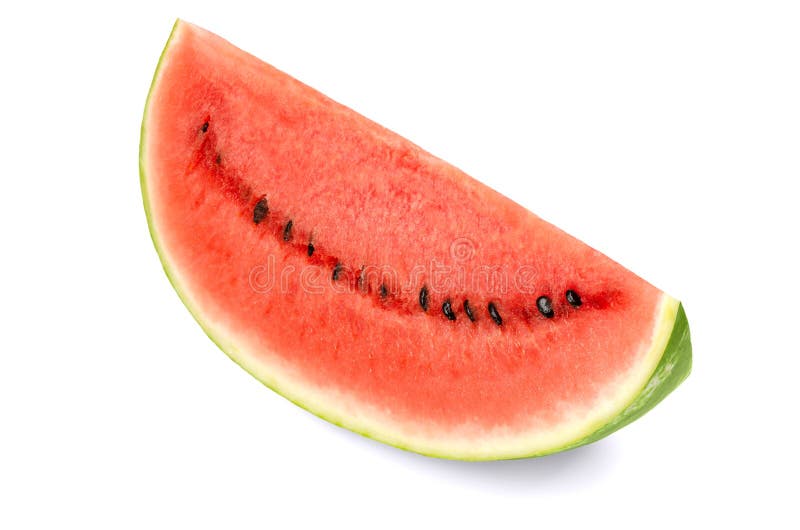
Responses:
[584,465]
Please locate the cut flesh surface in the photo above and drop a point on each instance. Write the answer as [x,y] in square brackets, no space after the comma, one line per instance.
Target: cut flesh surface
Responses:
[380,287]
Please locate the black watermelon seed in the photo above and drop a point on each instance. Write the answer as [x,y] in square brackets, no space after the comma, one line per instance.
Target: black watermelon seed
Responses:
[545,306]
[495,315]
[468,311]
[423,298]
[219,159]
[336,270]
[573,298]
[204,128]
[310,249]
[287,231]
[447,309]
[384,291]
[261,210]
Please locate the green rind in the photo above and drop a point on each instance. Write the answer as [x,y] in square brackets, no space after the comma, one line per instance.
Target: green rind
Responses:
[674,366]
[142,176]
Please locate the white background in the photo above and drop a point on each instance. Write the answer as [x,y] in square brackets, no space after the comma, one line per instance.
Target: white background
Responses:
[665,134]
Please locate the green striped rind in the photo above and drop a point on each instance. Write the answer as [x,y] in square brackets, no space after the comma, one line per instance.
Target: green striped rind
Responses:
[673,367]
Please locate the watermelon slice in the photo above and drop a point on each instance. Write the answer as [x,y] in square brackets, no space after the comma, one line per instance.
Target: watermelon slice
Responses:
[380,287]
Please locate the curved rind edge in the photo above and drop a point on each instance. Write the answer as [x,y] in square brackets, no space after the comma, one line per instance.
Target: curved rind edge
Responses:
[142,173]
[673,367]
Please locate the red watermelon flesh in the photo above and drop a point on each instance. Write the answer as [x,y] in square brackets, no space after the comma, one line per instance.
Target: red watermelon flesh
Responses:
[379,286]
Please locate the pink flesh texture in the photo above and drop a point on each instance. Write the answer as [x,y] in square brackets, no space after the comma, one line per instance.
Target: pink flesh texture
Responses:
[367,197]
